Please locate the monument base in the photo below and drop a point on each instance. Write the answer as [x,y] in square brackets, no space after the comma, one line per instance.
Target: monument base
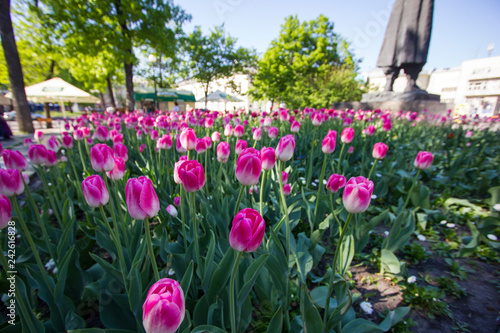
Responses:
[399,101]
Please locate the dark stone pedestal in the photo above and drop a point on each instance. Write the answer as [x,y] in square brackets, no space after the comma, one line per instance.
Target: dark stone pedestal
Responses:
[386,96]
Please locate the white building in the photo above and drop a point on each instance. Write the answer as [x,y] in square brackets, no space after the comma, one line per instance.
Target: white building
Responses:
[239,89]
[474,87]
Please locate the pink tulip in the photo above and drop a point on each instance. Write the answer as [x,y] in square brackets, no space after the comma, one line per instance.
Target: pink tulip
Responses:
[177,178]
[379,150]
[295,127]
[138,134]
[370,130]
[141,198]
[51,158]
[287,189]
[247,230]
[118,170]
[316,119]
[215,136]
[284,177]
[101,158]
[165,142]
[178,145]
[347,135]
[172,211]
[357,194]
[273,132]
[164,308]
[11,183]
[285,148]
[239,131]
[188,139]
[78,135]
[52,143]
[102,133]
[223,151]
[469,134]
[37,154]
[248,167]
[192,175]
[201,145]
[328,145]
[5,210]
[240,146]
[257,134]
[120,150]
[39,135]
[423,160]
[268,157]
[67,142]
[95,191]
[154,135]
[228,130]
[14,160]
[350,150]
[335,183]
[177,201]
[27,142]
[209,122]
[85,131]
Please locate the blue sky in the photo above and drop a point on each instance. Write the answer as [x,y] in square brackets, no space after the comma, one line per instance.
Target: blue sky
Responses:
[462,29]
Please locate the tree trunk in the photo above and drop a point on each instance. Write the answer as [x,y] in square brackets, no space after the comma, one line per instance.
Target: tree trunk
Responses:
[110,92]
[103,101]
[46,109]
[206,94]
[159,67]
[14,68]
[46,106]
[272,104]
[129,84]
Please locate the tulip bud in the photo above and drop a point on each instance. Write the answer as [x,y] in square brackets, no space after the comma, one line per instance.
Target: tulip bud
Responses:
[273,132]
[328,145]
[423,160]
[287,189]
[247,230]
[285,148]
[37,154]
[240,146]
[257,134]
[5,210]
[357,194]
[120,150]
[178,145]
[95,191]
[347,135]
[27,142]
[248,167]
[188,139]
[223,151]
[52,143]
[164,308]
[201,145]
[335,183]
[215,136]
[172,211]
[239,131]
[284,177]
[379,150]
[51,158]
[154,135]
[177,178]
[39,135]
[192,175]
[67,142]
[295,127]
[387,126]
[118,170]
[228,130]
[101,158]
[141,198]
[11,183]
[370,130]
[268,158]
[14,160]
[78,135]
[350,150]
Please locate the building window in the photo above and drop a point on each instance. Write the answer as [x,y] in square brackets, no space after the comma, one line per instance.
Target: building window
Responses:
[451,89]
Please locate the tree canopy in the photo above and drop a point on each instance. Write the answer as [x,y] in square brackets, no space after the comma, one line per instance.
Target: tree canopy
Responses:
[307,65]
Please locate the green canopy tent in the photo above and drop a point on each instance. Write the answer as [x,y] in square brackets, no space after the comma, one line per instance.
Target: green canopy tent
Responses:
[219,96]
[163,95]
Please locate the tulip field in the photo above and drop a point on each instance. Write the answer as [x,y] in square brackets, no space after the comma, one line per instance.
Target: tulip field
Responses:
[251,222]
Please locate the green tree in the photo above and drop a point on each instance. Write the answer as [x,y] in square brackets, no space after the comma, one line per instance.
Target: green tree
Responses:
[307,65]
[216,56]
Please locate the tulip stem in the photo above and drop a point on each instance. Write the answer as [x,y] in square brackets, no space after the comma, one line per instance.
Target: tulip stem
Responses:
[232,292]
[373,168]
[320,187]
[112,209]
[261,194]
[42,225]
[150,250]
[81,156]
[195,229]
[410,191]
[51,199]
[27,234]
[239,200]
[334,268]
[184,235]
[340,158]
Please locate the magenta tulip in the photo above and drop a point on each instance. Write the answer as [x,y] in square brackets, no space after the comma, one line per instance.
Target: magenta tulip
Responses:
[268,158]
[39,135]
[347,135]
[177,178]
[5,210]
[118,170]
[335,183]
[154,135]
[423,160]
[67,142]
[285,148]
[141,198]
[201,145]
[14,160]
[37,154]
[102,133]
[164,308]
[192,175]
[273,132]
[357,194]
[51,158]
[248,167]
[11,183]
[328,145]
[240,146]
[223,151]
[95,191]
[370,130]
[379,150]
[120,150]
[208,141]
[257,134]
[239,131]
[284,177]
[101,158]
[171,210]
[78,135]
[295,127]
[52,143]
[215,136]
[247,230]
[287,189]
[178,145]
[188,139]
[177,201]
[27,142]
